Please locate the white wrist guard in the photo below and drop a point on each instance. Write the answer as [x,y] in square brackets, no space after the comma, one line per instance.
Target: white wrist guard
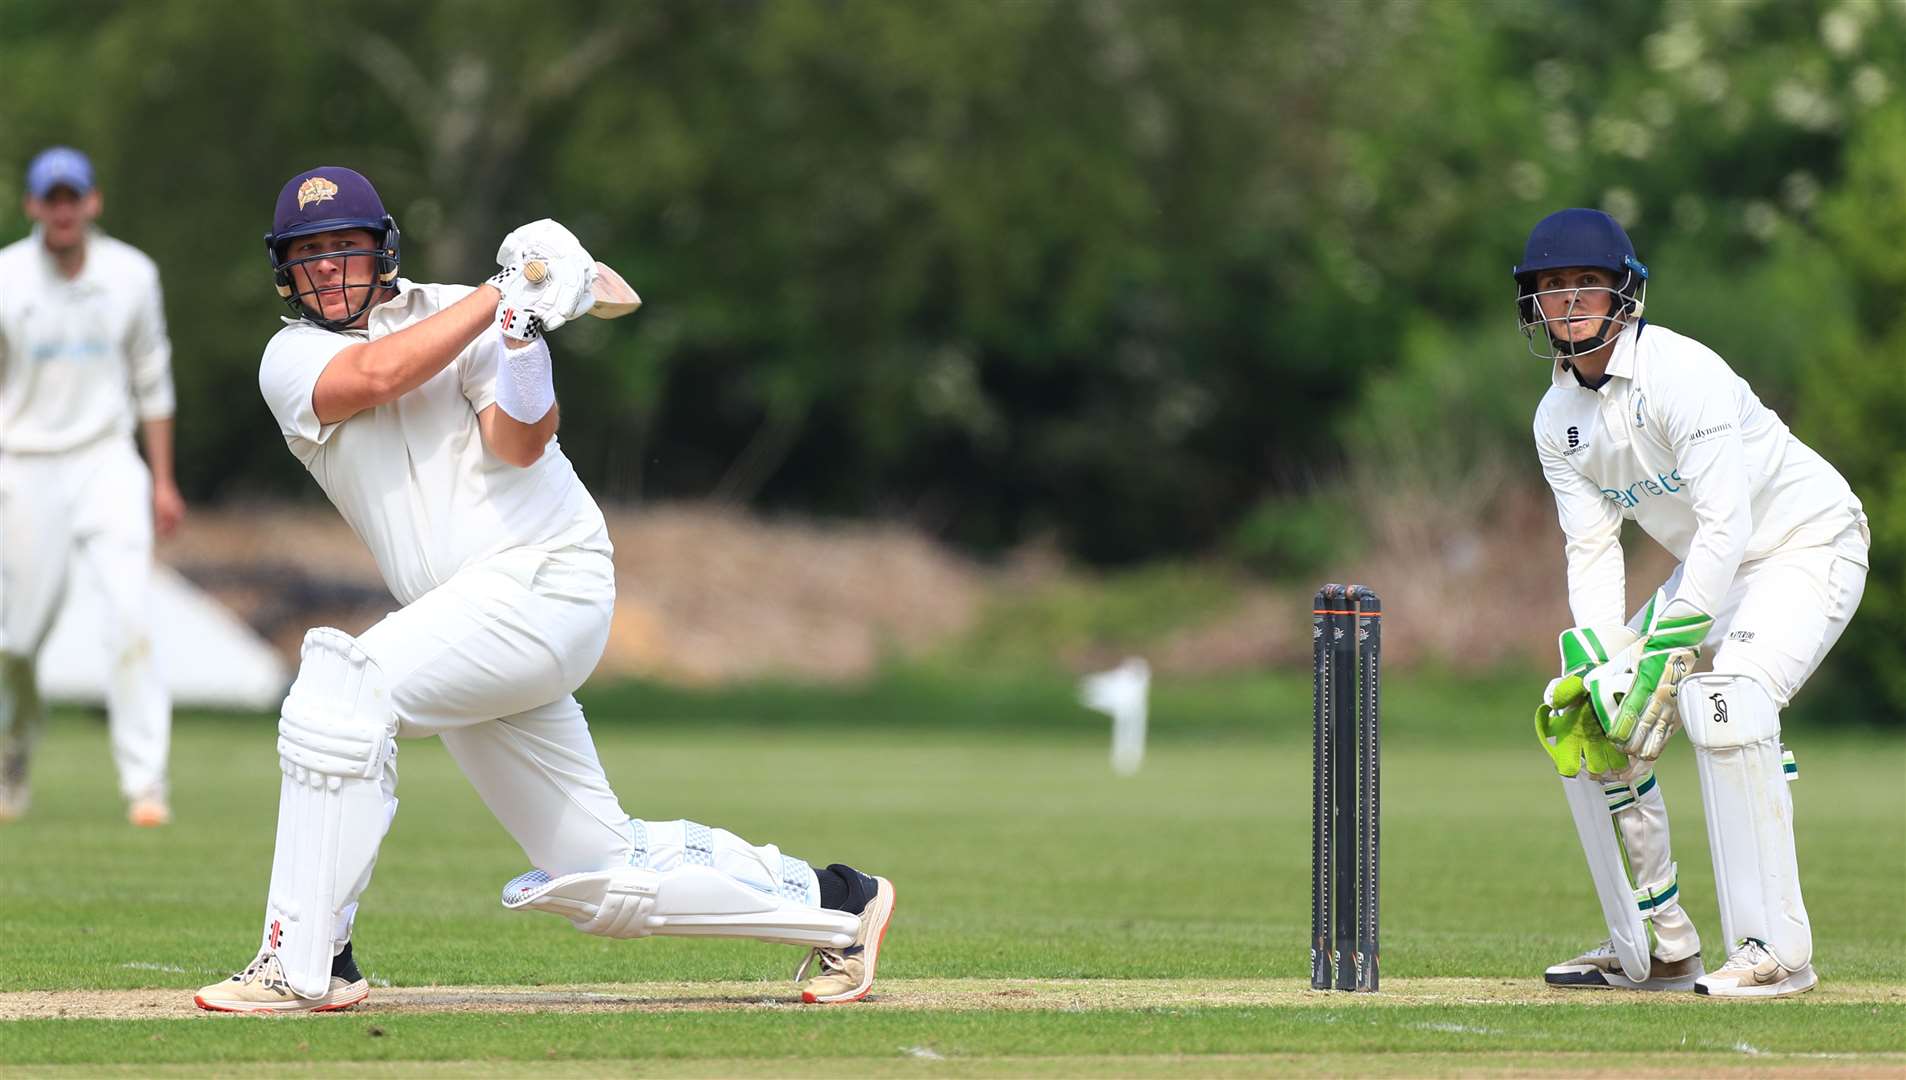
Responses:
[525,387]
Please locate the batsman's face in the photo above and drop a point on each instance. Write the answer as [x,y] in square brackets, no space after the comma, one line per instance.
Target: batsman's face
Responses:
[64,216]
[338,271]
[1575,300]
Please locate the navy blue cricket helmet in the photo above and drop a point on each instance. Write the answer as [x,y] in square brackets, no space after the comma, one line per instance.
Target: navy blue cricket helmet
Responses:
[327,199]
[1579,238]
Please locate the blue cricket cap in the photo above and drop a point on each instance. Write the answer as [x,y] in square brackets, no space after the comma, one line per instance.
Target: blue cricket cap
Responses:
[59,166]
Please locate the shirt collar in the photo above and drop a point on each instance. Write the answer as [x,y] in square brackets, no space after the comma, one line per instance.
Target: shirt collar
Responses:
[1621,364]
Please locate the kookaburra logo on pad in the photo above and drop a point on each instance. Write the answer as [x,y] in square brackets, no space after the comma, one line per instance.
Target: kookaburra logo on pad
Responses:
[315,190]
[1720,708]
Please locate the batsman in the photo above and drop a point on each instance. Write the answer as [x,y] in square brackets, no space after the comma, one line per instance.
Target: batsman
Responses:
[1643,424]
[428,415]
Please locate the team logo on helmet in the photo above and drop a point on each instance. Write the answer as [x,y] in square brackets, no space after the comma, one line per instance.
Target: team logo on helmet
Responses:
[316,190]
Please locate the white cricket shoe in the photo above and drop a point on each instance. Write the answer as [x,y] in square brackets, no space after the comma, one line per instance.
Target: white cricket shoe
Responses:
[1752,972]
[847,974]
[1600,969]
[261,988]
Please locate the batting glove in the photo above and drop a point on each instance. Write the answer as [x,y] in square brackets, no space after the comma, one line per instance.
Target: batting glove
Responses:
[528,309]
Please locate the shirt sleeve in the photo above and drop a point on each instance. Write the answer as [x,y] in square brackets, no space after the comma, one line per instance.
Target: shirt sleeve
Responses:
[477,368]
[149,353]
[289,372]
[1699,417]
[1591,528]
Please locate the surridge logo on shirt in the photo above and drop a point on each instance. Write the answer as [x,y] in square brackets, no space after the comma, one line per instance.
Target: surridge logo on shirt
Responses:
[1574,436]
[316,190]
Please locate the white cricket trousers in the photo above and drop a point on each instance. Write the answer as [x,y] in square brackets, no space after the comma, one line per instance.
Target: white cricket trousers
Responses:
[1786,611]
[85,511]
[489,661]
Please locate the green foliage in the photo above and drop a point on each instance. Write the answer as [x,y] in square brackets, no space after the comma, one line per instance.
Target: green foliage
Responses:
[1012,270]
[1852,398]
[1294,537]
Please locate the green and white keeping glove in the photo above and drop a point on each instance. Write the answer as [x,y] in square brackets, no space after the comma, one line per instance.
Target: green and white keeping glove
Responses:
[1633,692]
[1565,714]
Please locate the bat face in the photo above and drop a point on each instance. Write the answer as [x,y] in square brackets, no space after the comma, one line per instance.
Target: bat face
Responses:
[614,297]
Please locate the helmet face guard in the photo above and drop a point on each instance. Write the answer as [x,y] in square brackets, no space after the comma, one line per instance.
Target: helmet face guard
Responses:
[304,302]
[330,198]
[1626,301]
[1570,239]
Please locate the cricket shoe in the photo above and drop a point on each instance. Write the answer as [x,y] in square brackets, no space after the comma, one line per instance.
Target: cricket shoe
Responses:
[261,988]
[149,811]
[1752,972]
[847,974]
[1600,969]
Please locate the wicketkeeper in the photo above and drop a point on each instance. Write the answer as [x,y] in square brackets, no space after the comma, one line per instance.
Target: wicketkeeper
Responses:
[428,414]
[1642,424]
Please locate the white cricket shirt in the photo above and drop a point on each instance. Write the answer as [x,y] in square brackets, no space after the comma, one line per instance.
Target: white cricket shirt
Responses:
[1678,443]
[413,477]
[80,358]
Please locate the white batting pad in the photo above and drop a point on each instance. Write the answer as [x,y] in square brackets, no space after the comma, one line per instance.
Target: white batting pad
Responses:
[688,901]
[665,845]
[337,749]
[1735,729]
[1588,805]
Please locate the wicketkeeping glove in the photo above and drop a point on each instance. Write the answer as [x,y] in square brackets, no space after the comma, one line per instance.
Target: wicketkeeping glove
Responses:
[1633,693]
[1579,739]
[1565,714]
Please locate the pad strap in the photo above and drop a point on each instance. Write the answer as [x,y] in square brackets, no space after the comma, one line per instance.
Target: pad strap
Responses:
[1650,898]
[1621,795]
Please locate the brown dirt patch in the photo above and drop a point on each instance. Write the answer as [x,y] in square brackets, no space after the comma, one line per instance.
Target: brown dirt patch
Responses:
[704,594]
[1072,995]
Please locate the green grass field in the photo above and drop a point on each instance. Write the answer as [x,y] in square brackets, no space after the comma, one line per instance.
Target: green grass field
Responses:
[1053,919]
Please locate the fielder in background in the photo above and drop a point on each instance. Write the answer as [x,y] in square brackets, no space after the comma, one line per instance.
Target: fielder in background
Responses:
[428,414]
[1645,425]
[84,360]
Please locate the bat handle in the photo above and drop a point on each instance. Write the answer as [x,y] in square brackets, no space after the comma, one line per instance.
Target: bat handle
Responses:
[534,271]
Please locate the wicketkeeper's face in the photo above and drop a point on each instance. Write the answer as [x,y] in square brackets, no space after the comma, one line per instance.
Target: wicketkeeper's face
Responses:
[333,272]
[1574,301]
